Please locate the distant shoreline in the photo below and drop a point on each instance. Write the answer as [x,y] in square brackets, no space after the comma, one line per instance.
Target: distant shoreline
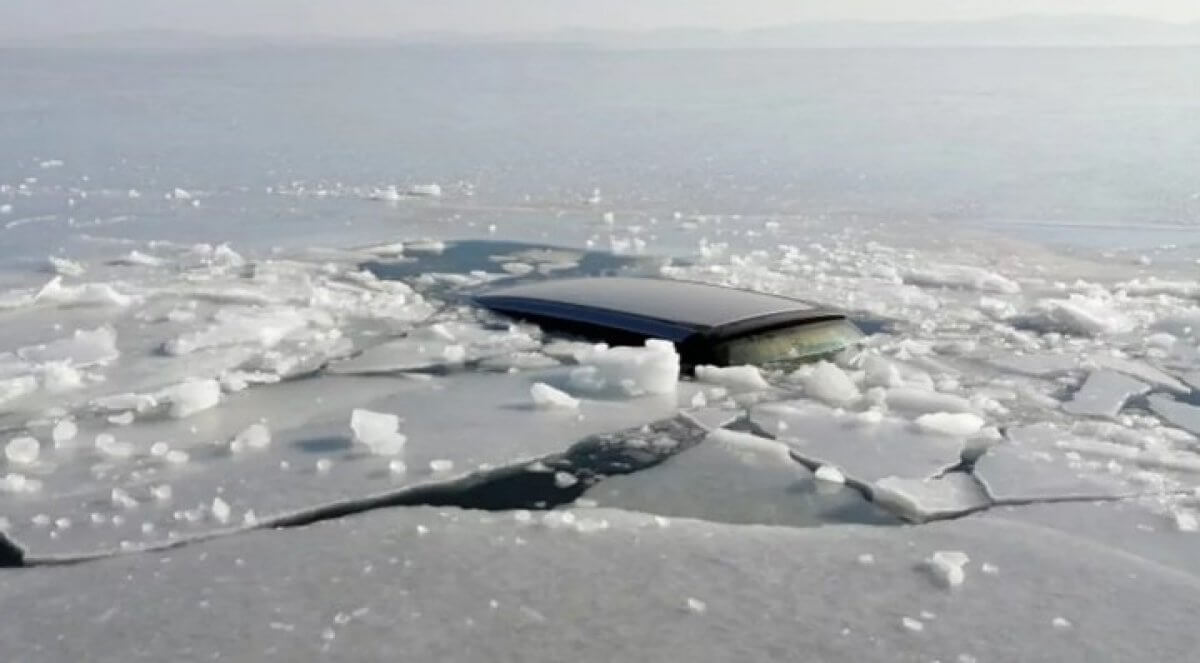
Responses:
[1012,32]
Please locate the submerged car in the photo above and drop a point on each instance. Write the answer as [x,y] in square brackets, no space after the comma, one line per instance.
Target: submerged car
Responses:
[709,324]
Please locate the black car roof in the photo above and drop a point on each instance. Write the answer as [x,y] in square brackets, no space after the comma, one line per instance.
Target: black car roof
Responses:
[661,308]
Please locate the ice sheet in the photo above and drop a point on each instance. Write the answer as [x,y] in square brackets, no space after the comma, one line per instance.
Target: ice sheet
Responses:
[673,589]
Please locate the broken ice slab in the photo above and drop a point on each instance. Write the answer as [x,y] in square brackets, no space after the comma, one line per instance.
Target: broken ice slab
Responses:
[1142,371]
[1193,380]
[1030,466]
[713,418]
[736,477]
[441,344]
[865,449]
[1182,415]
[352,588]
[1037,365]
[951,495]
[1104,394]
[470,421]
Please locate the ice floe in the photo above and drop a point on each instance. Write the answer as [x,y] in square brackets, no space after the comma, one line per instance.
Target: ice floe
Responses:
[1104,394]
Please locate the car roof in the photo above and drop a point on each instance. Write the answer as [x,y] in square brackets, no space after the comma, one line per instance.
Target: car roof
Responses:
[663,308]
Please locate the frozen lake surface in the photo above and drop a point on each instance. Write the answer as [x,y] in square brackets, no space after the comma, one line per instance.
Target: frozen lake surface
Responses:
[247,410]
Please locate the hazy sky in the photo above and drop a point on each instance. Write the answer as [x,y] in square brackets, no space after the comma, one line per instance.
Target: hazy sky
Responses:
[380,17]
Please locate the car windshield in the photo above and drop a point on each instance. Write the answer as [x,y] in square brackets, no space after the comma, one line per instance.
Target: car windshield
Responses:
[796,344]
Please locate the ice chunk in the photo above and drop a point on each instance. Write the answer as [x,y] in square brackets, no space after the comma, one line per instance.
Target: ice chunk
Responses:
[892,447]
[519,361]
[425,190]
[64,431]
[58,377]
[188,398]
[907,399]
[255,436]
[961,424]
[1185,521]
[631,371]
[88,294]
[454,354]
[264,328]
[13,388]
[1153,286]
[109,446]
[1030,466]
[65,267]
[712,418]
[961,276]
[391,194]
[83,349]
[125,402]
[122,499]
[734,378]
[545,396]
[378,431]
[879,372]
[830,474]
[136,258]
[426,246]
[13,483]
[441,466]
[221,510]
[1140,370]
[1084,316]
[1104,394]
[946,568]
[922,500]
[122,419]
[437,345]
[830,384]
[22,451]
[1037,365]
[565,479]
